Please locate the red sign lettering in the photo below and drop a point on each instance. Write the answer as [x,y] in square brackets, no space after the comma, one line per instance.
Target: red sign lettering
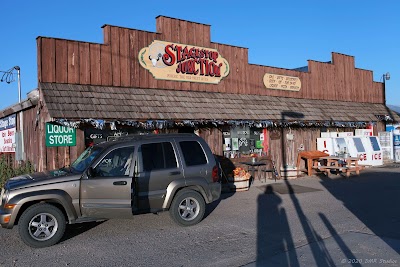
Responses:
[192,61]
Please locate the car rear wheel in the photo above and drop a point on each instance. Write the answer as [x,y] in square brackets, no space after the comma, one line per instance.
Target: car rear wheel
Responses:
[187,208]
[41,225]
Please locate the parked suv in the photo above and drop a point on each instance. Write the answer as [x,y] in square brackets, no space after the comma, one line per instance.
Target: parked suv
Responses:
[116,179]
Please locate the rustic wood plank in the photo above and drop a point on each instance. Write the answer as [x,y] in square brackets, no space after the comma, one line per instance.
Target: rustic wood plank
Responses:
[48,60]
[39,57]
[95,63]
[107,34]
[80,141]
[73,63]
[115,57]
[144,75]
[134,56]
[105,67]
[167,35]
[61,60]
[61,157]
[124,54]
[84,63]
[51,158]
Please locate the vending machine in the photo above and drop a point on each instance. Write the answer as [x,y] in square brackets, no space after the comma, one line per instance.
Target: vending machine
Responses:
[325,144]
[373,151]
[357,150]
[396,146]
[386,141]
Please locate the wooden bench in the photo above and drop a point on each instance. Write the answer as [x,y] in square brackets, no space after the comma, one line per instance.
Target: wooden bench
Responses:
[347,170]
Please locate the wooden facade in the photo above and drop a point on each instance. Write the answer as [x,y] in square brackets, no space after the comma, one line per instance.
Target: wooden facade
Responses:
[116,63]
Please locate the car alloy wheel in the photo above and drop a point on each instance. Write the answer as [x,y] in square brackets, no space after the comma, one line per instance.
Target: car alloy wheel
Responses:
[43,226]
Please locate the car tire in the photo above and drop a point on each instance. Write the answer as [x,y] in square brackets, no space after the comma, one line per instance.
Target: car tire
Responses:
[41,225]
[187,208]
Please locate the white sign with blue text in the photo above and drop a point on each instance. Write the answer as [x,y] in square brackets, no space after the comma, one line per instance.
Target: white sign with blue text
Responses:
[7,134]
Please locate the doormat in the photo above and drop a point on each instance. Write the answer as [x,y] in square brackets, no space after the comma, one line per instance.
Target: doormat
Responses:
[286,189]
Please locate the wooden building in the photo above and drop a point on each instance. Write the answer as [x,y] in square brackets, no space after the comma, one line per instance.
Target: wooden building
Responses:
[177,79]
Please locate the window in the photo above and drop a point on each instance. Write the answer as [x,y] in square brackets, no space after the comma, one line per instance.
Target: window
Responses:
[193,153]
[158,156]
[374,143]
[85,159]
[341,143]
[359,145]
[116,163]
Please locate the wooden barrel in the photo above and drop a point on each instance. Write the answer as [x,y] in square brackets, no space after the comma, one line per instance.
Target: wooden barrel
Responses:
[238,183]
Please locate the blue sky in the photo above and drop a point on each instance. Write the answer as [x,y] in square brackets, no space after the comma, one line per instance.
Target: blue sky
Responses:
[278,33]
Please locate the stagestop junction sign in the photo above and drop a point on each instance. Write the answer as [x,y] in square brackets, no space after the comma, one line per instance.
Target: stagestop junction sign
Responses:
[181,62]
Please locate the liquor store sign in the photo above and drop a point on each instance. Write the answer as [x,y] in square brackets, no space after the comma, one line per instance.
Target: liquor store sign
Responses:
[57,135]
[180,62]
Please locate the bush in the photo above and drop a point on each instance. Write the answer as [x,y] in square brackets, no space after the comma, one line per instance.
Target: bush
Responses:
[7,170]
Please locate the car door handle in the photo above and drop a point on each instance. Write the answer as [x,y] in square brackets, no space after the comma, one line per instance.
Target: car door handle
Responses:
[175,173]
[120,183]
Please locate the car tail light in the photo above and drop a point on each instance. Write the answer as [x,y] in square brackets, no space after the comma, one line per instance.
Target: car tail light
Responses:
[215,174]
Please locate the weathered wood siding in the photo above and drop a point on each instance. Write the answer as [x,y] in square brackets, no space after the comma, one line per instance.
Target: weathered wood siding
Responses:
[42,157]
[32,138]
[213,137]
[115,63]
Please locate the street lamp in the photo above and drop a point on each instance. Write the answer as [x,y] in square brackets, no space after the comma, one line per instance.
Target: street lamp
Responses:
[385,77]
[8,77]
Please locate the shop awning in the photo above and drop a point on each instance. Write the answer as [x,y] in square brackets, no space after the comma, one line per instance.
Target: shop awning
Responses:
[69,103]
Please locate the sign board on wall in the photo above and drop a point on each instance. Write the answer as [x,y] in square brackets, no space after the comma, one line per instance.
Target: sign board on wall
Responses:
[7,134]
[181,62]
[57,135]
[363,132]
[282,82]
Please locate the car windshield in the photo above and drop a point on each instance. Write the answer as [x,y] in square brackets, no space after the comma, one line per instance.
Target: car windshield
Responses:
[84,160]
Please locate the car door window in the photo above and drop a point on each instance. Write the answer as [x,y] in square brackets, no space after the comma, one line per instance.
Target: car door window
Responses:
[116,163]
[157,156]
[193,153]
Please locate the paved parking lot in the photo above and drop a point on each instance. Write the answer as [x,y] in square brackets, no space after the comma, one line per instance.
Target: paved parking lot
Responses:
[304,222]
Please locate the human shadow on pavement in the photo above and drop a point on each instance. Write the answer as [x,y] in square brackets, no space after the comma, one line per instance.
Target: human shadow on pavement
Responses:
[275,244]
[273,231]
[344,248]
[373,197]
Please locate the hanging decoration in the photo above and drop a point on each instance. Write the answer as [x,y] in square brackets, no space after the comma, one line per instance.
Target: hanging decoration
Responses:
[384,118]
[165,124]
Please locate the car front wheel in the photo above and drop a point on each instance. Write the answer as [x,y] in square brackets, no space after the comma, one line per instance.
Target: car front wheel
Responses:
[187,208]
[41,225]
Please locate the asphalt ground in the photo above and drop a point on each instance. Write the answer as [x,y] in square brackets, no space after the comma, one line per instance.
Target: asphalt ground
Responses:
[309,221]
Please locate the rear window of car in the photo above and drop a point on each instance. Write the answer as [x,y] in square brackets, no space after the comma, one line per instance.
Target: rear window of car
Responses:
[193,153]
[158,156]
